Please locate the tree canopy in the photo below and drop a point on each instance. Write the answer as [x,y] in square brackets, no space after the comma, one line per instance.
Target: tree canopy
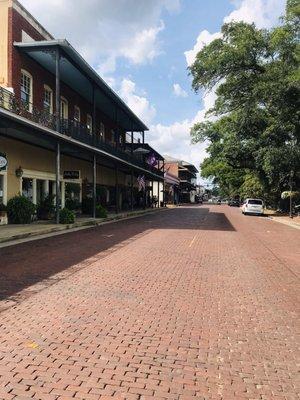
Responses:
[252,131]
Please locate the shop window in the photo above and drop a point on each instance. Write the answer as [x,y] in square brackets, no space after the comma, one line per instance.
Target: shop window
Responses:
[1,189]
[77,114]
[48,99]
[89,123]
[27,188]
[26,90]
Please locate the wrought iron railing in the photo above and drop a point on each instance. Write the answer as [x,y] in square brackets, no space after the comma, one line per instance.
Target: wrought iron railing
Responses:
[71,128]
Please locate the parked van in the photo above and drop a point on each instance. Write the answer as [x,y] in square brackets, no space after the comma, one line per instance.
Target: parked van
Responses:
[253,206]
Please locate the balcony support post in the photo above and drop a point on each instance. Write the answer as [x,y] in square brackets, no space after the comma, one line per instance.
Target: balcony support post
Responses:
[94,185]
[144,195]
[164,183]
[117,190]
[57,88]
[158,194]
[93,111]
[131,143]
[131,190]
[143,137]
[57,181]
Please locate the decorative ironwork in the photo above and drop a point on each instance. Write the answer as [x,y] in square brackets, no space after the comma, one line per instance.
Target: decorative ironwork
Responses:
[71,128]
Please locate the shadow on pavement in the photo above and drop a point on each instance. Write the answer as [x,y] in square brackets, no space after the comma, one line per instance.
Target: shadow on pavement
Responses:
[27,264]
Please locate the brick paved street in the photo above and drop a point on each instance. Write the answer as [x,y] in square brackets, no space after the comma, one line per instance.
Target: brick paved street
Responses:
[194,302]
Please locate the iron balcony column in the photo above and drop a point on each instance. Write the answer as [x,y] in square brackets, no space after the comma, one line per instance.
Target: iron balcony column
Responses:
[158,186]
[131,190]
[117,190]
[57,88]
[163,183]
[94,114]
[94,185]
[57,182]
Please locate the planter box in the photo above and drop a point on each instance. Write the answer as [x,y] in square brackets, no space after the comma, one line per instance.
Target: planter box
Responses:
[3,218]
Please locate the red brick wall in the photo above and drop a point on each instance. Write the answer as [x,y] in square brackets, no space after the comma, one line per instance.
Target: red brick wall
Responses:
[41,77]
[172,168]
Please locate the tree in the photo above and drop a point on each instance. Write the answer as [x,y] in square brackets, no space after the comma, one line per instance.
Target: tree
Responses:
[254,134]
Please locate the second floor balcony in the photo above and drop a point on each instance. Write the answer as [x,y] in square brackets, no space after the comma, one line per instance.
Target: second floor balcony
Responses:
[123,149]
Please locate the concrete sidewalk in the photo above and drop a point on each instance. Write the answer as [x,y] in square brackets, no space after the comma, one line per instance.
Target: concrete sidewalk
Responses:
[13,234]
[292,222]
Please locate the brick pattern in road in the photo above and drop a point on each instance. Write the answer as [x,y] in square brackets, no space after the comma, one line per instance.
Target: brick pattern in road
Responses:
[195,302]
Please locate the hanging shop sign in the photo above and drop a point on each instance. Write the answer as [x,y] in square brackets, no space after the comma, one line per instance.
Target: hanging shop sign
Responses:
[3,161]
[71,174]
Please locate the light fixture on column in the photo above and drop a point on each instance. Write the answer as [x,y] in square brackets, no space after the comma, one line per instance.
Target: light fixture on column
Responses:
[19,172]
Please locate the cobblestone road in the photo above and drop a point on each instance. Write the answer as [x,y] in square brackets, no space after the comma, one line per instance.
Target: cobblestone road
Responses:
[195,302]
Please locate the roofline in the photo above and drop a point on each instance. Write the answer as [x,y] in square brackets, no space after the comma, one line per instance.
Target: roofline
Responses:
[18,4]
[76,57]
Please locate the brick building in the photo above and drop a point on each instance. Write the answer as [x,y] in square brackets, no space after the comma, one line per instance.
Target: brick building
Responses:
[185,189]
[63,130]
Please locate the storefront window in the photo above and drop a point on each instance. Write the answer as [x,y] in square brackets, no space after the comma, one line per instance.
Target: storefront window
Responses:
[27,188]
[72,193]
[1,189]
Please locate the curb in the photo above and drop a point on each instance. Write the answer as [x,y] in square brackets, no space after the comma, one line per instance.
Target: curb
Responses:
[284,222]
[77,226]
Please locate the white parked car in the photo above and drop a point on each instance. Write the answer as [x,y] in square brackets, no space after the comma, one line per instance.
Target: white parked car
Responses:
[253,206]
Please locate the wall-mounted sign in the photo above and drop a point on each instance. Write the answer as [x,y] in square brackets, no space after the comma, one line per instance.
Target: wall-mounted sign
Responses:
[3,161]
[71,174]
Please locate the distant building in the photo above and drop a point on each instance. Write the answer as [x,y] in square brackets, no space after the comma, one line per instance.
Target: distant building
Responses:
[186,173]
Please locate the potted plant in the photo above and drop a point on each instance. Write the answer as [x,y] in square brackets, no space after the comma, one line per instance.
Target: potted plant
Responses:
[46,208]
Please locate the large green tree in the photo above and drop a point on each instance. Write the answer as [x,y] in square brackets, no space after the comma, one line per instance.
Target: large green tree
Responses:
[253,129]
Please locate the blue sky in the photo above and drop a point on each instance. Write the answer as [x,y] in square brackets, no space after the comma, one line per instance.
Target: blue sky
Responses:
[142,48]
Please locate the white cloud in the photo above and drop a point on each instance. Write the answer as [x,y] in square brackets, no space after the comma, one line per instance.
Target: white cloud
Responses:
[139,104]
[104,31]
[264,13]
[178,91]
[203,39]
[144,46]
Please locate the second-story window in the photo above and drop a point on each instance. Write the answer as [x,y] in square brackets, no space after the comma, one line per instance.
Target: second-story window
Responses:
[26,90]
[48,99]
[64,112]
[89,123]
[77,114]
[102,130]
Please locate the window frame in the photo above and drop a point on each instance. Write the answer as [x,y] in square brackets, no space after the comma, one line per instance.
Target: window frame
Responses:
[27,75]
[102,130]
[89,123]
[48,89]
[64,100]
[77,109]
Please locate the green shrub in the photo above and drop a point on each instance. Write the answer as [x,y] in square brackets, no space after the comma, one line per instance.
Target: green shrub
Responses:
[46,207]
[66,216]
[20,210]
[101,212]
[72,204]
